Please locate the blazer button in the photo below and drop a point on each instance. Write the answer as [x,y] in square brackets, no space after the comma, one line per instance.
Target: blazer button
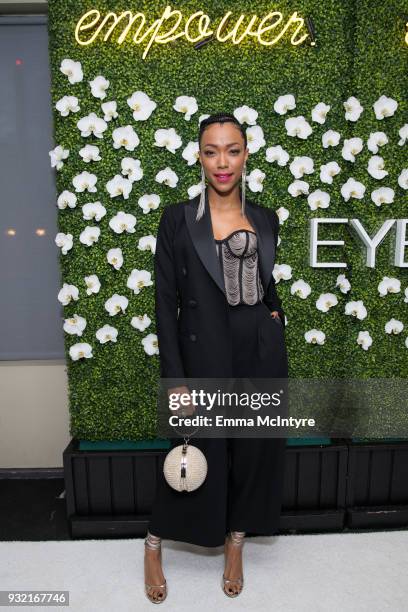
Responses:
[192,303]
[193,337]
[184,270]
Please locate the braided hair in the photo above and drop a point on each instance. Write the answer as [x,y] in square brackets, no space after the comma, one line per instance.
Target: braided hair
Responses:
[221,118]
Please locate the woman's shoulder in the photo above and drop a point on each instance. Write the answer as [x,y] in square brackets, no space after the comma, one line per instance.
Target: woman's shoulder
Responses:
[267,210]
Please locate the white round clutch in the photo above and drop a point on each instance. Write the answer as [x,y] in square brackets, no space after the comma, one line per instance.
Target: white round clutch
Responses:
[185,468]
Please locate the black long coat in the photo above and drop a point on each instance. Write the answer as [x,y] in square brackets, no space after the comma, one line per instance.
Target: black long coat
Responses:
[191,303]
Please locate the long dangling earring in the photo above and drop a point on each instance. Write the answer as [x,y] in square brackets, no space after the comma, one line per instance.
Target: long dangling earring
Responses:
[243,183]
[201,205]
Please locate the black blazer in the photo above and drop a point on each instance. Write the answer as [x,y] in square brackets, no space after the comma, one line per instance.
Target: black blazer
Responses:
[190,298]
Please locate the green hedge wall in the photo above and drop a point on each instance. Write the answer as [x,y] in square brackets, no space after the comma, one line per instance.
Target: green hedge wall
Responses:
[360,51]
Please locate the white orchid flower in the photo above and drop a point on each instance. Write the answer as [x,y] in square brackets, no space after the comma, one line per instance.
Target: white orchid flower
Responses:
[119,186]
[301,165]
[255,138]
[283,214]
[376,140]
[148,202]
[64,241]
[93,211]
[72,70]
[403,134]
[318,199]
[107,333]
[168,139]
[139,279]
[90,235]
[141,322]
[75,325]
[80,350]
[403,179]
[86,181]
[406,295]
[142,105]
[353,109]
[255,180]
[327,171]
[57,156]
[351,148]
[115,258]
[282,272]
[343,283]
[67,198]
[194,190]
[325,301]
[116,304]
[277,154]
[298,126]
[109,110]
[393,326]
[67,294]
[331,138]
[99,85]
[167,176]
[384,107]
[284,103]
[151,344]
[132,169]
[92,124]
[315,336]
[364,340]
[92,283]
[123,222]
[389,284]
[298,188]
[67,105]
[147,243]
[319,112]
[383,195]
[245,114]
[190,153]
[90,153]
[125,137]
[375,167]
[352,189]
[301,288]
[186,105]
[356,309]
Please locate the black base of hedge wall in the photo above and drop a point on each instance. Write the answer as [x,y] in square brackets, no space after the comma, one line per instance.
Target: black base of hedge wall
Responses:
[344,485]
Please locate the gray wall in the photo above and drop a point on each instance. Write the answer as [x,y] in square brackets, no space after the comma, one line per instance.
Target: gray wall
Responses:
[33,383]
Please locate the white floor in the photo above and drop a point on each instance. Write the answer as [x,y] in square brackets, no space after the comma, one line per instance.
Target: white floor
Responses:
[314,573]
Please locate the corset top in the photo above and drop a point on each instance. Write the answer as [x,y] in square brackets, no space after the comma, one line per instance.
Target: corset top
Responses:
[238,257]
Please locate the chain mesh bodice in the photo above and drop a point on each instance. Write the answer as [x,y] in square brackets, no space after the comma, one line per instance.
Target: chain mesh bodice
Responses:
[238,256]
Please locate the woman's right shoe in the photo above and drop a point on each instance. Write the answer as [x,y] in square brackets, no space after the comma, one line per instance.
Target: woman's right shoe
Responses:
[236,538]
[154,543]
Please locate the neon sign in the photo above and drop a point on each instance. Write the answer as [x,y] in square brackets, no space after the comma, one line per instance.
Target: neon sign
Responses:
[267,30]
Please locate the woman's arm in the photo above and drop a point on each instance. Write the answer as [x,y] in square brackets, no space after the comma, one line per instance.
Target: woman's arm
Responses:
[271,298]
[166,299]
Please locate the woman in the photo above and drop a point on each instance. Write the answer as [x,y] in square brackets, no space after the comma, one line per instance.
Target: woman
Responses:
[218,315]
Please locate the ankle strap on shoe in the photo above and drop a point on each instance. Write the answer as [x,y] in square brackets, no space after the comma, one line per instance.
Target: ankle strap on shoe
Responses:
[237,537]
[152,541]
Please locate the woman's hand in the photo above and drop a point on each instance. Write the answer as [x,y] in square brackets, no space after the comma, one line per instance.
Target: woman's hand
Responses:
[186,406]
[274,314]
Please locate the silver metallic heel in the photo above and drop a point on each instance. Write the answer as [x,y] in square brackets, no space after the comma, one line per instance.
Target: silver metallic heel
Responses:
[154,543]
[236,538]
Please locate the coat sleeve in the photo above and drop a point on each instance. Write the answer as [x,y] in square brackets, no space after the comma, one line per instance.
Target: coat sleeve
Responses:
[166,300]
[271,298]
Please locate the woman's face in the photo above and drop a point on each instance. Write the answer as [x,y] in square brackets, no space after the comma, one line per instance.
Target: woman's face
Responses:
[223,155]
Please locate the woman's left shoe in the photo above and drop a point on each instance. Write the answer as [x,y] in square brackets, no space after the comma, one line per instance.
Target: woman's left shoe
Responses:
[236,538]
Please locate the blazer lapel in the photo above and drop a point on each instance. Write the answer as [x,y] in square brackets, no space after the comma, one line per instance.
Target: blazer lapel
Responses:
[202,236]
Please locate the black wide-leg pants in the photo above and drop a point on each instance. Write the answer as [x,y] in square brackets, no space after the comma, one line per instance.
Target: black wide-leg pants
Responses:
[244,484]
